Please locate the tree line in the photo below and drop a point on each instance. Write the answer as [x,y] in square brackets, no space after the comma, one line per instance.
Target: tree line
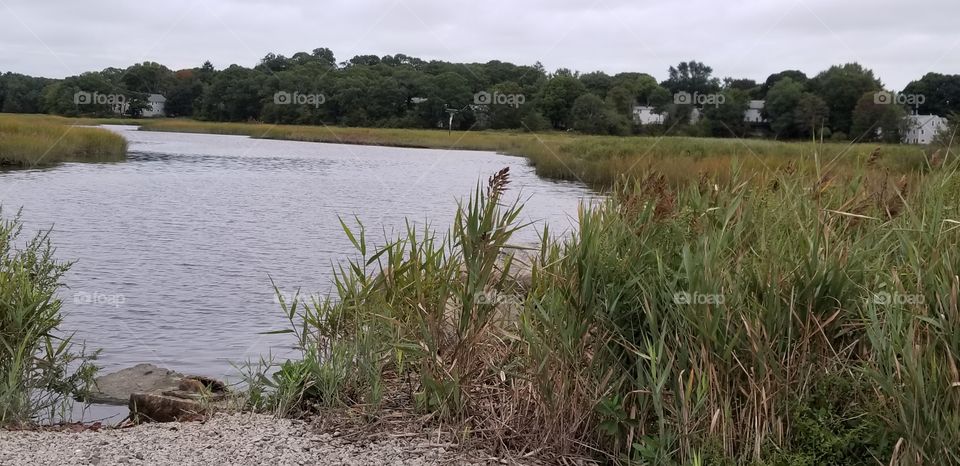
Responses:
[407,92]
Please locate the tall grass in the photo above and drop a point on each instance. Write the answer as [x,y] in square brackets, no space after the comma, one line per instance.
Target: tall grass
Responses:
[41,371]
[809,320]
[599,160]
[40,140]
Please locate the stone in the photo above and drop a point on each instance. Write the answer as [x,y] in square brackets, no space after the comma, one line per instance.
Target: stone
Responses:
[116,388]
[149,407]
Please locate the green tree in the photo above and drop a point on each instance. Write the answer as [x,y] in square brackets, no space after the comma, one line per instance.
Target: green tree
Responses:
[781,105]
[941,93]
[796,75]
[811,114]
[841,87]
[590,114]
[726,119]
[557,99]
[692,77]
[878,122]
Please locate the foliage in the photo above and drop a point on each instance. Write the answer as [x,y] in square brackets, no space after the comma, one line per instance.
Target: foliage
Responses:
[718,322]
[41,371]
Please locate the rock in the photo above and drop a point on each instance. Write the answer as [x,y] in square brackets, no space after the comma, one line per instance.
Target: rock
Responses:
[194,398]
[148,407]
[117,387]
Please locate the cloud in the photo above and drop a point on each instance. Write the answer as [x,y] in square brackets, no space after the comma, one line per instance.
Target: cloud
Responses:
[900,41]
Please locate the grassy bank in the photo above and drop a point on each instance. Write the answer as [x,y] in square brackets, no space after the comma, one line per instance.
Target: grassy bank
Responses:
[41,140]
[598,160]
[41,371]
[807,321]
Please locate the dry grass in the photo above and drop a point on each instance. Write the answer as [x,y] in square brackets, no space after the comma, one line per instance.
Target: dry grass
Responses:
[41,140]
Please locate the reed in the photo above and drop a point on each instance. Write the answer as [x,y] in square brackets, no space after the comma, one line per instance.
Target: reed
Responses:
[41,370]
[808,320]
[41,140]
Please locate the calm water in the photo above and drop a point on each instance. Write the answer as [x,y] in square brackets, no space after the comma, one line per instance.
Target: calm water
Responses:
[175,247]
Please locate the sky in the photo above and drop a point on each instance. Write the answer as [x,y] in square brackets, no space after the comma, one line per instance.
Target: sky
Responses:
[899,40]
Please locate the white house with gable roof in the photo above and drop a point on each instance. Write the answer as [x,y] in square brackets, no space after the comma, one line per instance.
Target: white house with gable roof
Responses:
[921,129]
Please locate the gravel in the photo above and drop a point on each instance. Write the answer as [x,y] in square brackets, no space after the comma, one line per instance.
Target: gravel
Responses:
[224,439]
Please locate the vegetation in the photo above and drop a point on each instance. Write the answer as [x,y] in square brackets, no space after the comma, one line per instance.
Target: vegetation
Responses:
[36,140]
[812,320]
[41,372]
[399,91]
[598,160]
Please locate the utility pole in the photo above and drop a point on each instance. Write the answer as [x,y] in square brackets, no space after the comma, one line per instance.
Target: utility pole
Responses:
[452,112]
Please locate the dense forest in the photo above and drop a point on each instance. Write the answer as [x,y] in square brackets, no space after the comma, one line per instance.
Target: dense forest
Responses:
[407,92]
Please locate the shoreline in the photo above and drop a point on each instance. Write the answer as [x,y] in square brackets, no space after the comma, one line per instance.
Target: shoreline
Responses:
[597,161]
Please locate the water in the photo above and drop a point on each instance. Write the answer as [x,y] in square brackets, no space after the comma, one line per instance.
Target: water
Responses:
[175,247]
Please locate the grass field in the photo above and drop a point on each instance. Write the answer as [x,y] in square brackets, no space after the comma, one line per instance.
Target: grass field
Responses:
[601,160]
[42,140]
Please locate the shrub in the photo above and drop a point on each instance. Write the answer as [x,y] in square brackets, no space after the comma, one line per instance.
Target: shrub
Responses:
[40,370]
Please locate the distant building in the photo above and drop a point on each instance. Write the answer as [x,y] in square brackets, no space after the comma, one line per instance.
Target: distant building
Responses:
[646,115]
[921,129]
[155,107]
[754,112]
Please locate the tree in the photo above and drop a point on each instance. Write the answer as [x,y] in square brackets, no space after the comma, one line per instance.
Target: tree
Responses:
[941,93]
[782,101]
[692,76]
[878,122]
[21,94]
[597,82]
[726,119]
[557,99]
[796,75]
[147,77]
[186,89]
[811,114]
[841,87]
[590,114]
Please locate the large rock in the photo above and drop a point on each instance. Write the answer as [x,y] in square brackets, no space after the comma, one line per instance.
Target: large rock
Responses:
[194,398]
[116,388]
[161,395]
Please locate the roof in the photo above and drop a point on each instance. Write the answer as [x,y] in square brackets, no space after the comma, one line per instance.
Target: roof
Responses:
[157,98]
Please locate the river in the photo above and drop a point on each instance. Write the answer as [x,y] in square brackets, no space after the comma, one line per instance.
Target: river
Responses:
[176,246]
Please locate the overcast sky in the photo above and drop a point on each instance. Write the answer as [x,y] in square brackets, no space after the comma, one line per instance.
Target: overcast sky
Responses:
[899,40]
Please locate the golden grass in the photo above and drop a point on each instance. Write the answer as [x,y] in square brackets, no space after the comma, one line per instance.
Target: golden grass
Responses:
[599,160]
[43,140]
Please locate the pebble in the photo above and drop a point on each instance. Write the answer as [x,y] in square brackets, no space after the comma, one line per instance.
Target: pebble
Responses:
[241,439]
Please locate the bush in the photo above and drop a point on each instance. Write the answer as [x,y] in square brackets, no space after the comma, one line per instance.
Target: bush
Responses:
[40,371]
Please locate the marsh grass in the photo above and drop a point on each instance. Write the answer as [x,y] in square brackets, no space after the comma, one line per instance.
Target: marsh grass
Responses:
[41,370]
[41,140]
[719,322]
[600,161]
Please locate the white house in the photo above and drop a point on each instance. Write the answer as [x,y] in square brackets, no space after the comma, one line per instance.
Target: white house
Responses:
[754,112]
[921,129]
[155,107]
[646,115]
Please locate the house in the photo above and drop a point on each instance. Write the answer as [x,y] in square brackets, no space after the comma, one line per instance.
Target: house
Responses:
[921,129]
[155,106]
[646,115]
[754,112]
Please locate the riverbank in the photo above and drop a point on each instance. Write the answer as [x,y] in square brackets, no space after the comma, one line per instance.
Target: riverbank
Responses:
[241,439]
[600,161]
[41,140]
